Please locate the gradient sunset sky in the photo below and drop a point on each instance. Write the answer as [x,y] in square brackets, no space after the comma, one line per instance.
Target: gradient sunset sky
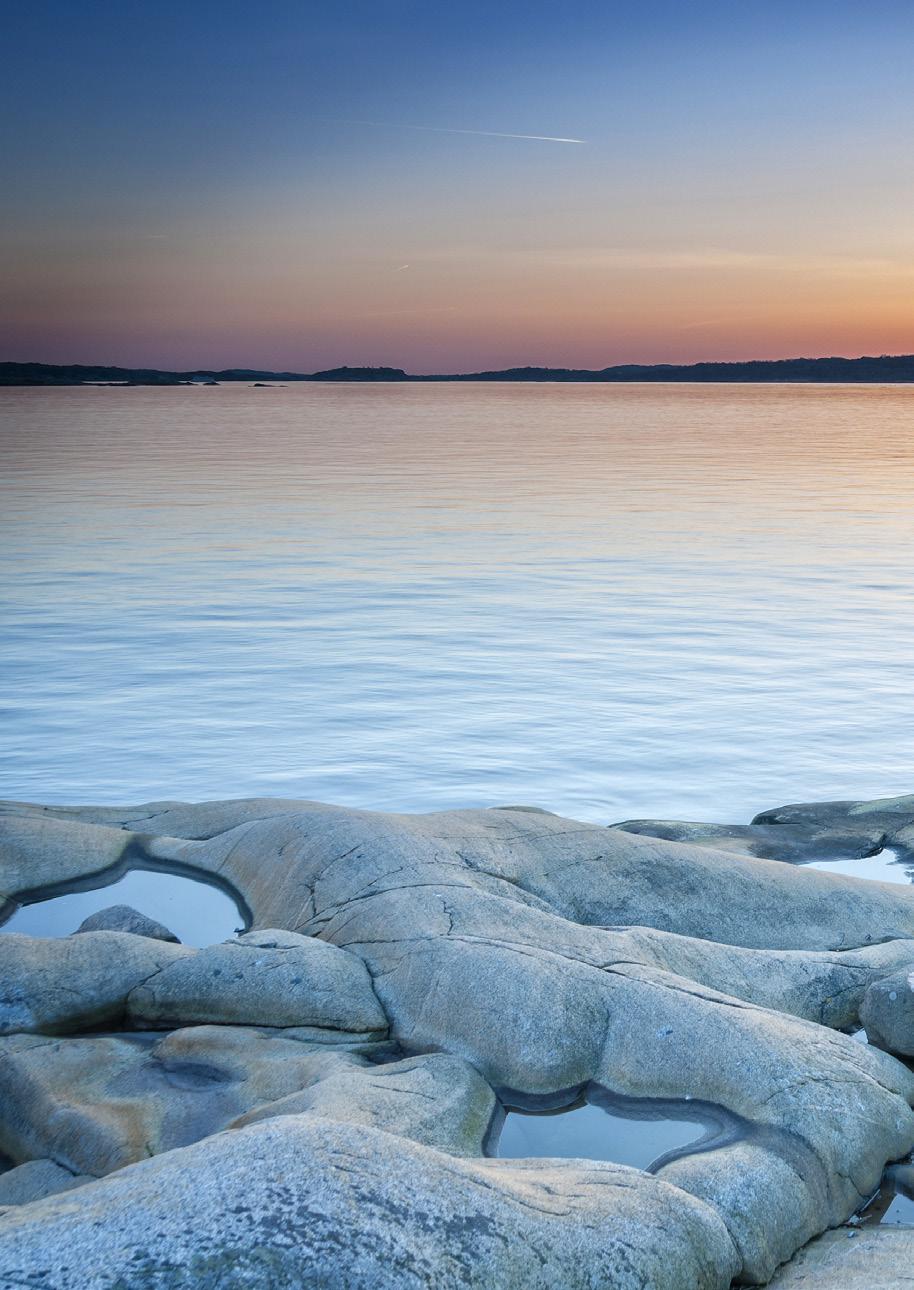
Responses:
[299,185]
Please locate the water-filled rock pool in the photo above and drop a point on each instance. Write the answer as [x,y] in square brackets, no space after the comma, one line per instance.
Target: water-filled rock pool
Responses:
[197,912]
[599,1125]
[885,866]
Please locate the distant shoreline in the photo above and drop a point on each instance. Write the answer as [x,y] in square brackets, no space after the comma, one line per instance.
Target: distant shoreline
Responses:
[897,369]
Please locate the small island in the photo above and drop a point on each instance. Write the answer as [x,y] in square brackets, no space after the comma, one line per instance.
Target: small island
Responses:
[884,369]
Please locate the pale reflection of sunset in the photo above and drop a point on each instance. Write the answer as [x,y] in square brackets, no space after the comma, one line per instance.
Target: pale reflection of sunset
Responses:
[610,600]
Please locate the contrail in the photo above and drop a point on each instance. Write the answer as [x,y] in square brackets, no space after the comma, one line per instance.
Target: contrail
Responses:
[443,129]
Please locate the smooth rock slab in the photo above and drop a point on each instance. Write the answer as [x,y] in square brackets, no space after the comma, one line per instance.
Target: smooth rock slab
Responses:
[887,1013]
[37,1179]
[437,1100]
[265,978]
[39,850]
[304,1201]
[852,1259]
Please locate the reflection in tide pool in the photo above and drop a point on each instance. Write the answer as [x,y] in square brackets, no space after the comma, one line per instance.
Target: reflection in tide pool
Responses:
[197,913]
[893,1204]
[884,867]
[625,1131]
[900,1212]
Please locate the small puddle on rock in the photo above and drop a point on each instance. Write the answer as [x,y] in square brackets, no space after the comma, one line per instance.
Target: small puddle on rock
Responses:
[642,1132]
[893,1204]
[887,866]
[196,912]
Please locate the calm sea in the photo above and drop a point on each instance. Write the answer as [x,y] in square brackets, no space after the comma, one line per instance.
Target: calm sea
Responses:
[609,601]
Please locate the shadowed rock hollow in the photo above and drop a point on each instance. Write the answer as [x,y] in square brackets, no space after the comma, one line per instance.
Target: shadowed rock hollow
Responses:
[435,962]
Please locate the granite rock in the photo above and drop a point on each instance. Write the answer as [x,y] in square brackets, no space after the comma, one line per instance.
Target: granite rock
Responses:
[35,1180]
[264,978]
[122,918]
[887,1013]
[878,1258]
[75,982]
[437,1100]
[98,1103]
[545,954]
[305,1201]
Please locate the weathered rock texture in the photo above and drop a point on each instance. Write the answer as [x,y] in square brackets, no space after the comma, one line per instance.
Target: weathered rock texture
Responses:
[51,986]
[878,1258]
[97,1103]
[304,1201]
[887,1013]
[264,978]
[36,1179]
[270,978]
[539,954]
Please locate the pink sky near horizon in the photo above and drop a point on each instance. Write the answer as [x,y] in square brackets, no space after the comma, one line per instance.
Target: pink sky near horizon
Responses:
[457,312]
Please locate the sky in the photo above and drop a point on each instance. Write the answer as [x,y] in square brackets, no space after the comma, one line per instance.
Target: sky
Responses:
[300,185]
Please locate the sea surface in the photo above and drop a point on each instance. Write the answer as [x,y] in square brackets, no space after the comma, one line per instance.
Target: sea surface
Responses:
[609,601]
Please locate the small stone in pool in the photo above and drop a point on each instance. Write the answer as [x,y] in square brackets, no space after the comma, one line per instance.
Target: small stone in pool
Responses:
[122,918]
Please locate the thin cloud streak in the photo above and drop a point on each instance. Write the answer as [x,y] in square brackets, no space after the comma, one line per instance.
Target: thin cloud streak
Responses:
[444,129]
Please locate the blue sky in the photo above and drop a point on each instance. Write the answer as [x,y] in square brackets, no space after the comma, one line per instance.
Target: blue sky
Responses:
[208,183]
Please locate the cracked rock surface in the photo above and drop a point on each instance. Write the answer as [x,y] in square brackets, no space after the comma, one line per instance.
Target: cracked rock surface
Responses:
[451,957]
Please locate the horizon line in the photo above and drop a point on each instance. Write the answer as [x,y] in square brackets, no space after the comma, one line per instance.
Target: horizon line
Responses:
[25,373]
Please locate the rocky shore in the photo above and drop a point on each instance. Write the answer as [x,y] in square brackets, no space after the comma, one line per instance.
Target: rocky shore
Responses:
[318,1101]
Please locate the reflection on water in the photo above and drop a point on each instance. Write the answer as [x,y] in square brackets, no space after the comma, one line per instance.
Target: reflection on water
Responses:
[899,1211]
[614,602]
[196,912]
[628,1131]
[884,867]
[893,1204]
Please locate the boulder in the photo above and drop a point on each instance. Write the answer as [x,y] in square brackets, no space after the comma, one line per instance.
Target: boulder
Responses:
[265,978]
[305,1201]
[887,1013]
[71,983]
[298,868]
[121,918]
[900,1179]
